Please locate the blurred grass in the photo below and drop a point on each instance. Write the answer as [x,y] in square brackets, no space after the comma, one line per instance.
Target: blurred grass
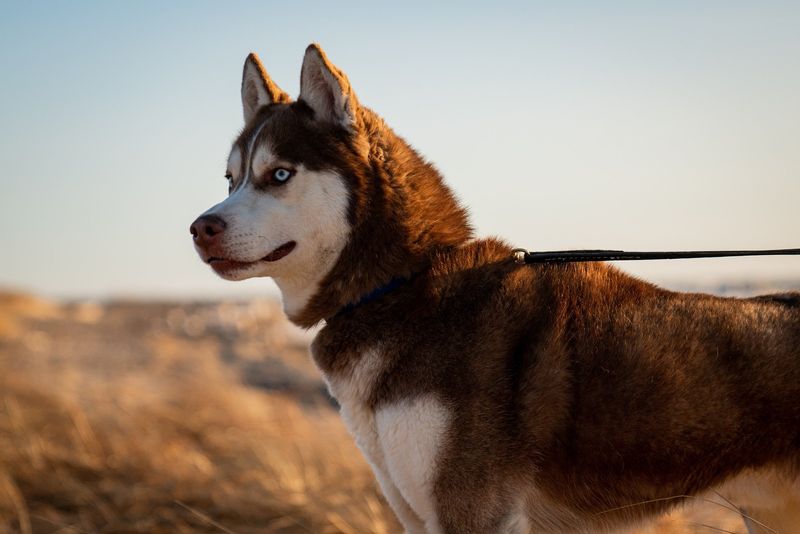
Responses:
[95,437]
[183,417]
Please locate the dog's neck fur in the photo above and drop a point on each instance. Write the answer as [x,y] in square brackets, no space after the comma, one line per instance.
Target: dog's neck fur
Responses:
[401,214]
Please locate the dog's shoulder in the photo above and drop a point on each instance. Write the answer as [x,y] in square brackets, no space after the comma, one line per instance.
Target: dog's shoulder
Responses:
[473,254]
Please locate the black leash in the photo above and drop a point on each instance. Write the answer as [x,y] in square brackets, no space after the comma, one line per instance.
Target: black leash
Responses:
[569,256]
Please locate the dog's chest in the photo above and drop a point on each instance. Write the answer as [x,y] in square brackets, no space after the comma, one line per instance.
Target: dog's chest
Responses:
[401,440]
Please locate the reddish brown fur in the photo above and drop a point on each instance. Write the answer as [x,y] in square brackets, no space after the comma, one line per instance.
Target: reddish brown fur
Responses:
[275,93]
[576,387]
[598,388]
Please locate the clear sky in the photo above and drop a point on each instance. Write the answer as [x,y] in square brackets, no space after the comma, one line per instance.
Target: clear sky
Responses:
[639,125]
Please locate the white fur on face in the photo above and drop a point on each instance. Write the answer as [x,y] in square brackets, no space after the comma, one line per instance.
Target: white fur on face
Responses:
[310,209]
[262,160]
[234,166]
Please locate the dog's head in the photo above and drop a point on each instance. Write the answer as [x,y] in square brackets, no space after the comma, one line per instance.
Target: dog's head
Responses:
[287,210]
[323,196]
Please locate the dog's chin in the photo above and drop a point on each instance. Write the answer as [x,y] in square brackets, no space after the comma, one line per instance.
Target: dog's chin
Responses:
[235,270]
[235,274]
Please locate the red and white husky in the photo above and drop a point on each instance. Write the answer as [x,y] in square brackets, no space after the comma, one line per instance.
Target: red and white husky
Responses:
[490,396]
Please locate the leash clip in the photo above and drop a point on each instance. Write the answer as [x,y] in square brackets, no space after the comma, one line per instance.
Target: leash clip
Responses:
[519,255]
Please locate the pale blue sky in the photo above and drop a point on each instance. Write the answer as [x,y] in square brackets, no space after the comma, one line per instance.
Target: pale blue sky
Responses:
[637,125]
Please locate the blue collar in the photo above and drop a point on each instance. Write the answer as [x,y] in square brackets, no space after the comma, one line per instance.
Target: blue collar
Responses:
[375,294]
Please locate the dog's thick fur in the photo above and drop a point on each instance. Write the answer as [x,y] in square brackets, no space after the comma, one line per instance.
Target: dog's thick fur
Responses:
[490,396]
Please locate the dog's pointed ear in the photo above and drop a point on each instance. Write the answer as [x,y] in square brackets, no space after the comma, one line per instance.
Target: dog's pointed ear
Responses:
[326,89]
[258,89]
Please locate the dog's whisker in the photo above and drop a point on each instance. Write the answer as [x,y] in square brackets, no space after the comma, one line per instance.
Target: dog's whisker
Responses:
[731,506]
[642,503]
[721,496]
[712,527]
[742,513]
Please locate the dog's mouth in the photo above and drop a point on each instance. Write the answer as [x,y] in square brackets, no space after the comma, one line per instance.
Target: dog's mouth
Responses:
[223,264]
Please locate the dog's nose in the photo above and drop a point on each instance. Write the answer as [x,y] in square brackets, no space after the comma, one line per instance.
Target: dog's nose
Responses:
[206,228]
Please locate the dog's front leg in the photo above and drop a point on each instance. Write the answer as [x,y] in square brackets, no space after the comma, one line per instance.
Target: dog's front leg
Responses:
[360,420]
[410,434]
[412,524]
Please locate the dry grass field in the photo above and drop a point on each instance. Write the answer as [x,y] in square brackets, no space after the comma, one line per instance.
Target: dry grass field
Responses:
[184,417]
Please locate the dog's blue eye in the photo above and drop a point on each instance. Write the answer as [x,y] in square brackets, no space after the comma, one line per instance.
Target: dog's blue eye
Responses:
[281,175]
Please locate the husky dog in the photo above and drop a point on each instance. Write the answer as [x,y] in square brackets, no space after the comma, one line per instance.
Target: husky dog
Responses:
[490,396]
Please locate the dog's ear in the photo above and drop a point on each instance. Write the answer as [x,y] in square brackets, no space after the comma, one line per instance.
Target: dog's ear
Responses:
[326,89]
[258,89]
